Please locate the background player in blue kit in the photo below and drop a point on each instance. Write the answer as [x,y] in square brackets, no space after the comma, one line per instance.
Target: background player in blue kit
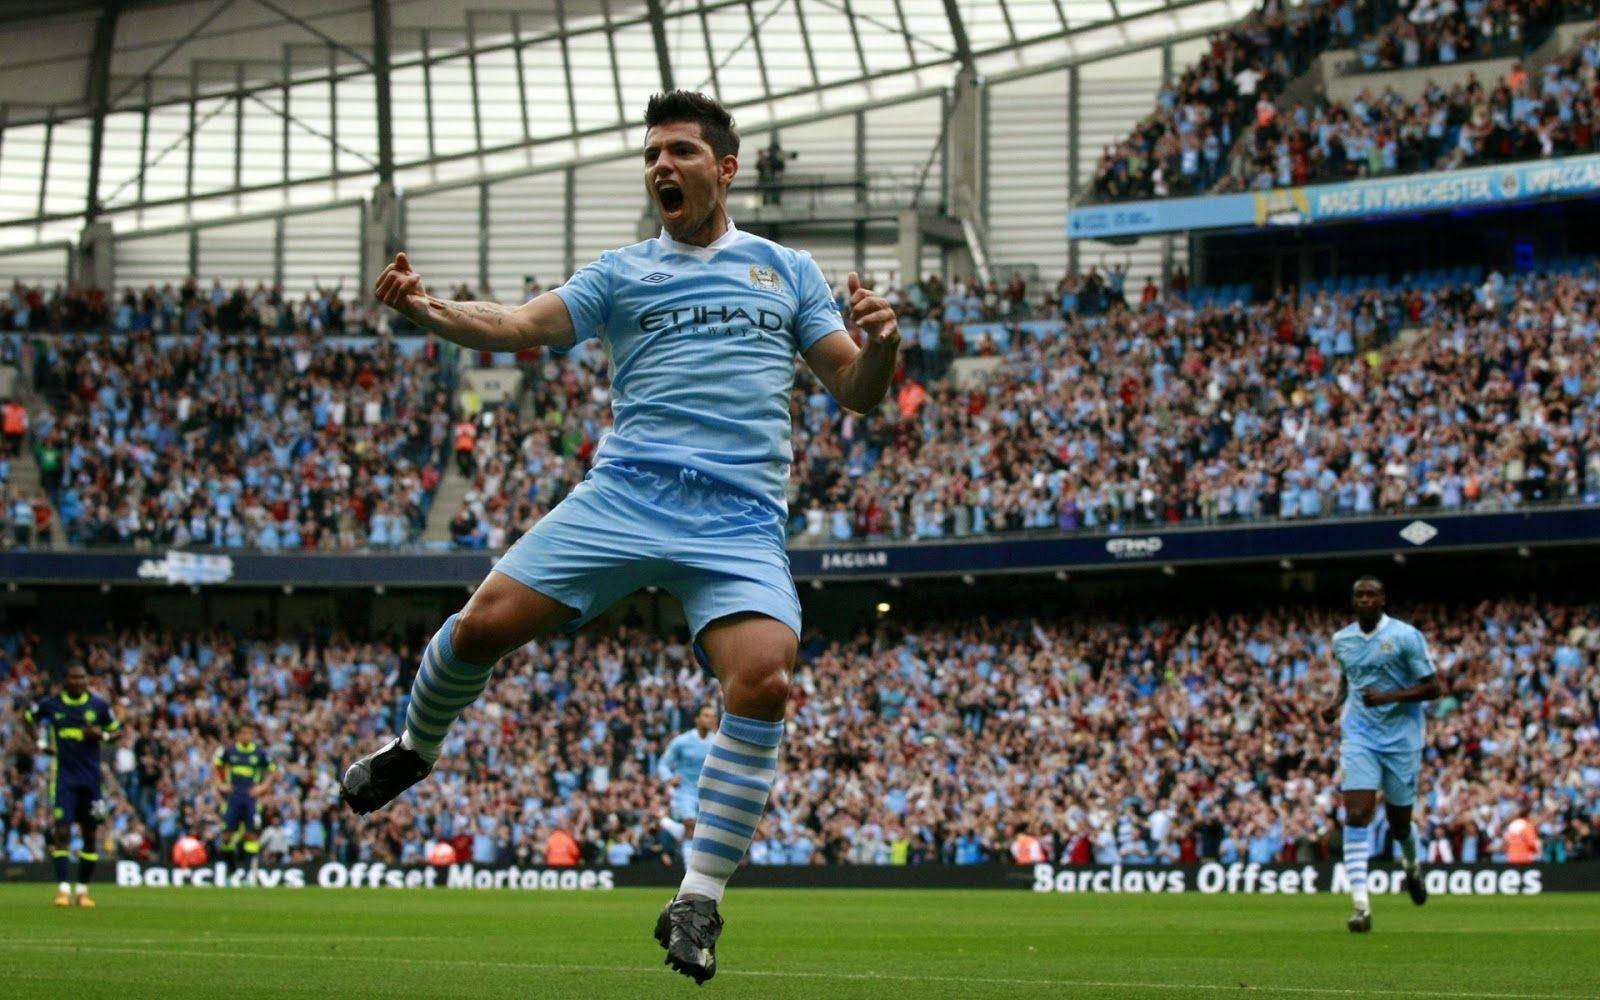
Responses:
[1385,674]
[244,772]
[703,324]
[75,722]
[682,761]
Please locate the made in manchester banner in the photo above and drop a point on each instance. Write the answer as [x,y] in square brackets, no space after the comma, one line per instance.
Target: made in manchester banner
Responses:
[1505,184]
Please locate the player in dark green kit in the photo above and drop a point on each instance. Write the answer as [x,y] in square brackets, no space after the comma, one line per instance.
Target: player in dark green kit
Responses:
[244,772]
[77,722]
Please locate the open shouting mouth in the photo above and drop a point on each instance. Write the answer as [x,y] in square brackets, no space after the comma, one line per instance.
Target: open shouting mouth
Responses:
[670,197]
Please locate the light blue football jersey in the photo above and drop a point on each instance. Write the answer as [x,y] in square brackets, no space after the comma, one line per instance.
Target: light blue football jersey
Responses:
[1392,657]
[684,757]
[703,343]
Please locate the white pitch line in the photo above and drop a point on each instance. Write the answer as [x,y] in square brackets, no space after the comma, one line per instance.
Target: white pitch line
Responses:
[776,974]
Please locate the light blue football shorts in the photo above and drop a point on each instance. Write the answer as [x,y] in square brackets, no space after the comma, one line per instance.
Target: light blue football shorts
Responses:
[628,526]
[685,802]
[1394,771]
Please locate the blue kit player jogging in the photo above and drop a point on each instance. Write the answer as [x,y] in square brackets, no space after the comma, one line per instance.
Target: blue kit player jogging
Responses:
[76,721]
[683,760]
[1382,747]
[1385,676]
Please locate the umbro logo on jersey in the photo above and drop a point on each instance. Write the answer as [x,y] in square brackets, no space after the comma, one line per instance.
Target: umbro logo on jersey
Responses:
[656,278]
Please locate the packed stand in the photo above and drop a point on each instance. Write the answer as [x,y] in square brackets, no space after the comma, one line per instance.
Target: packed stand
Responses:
[238,440]
[1165,739]
[1183,147]
[523,459]
[1164,414]
[1436,32]
[1471,124]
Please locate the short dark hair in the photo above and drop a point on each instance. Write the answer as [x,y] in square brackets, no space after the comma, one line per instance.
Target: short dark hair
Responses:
[716,124]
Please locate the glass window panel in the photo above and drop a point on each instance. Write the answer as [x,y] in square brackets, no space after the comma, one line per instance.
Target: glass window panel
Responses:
[1028,171]
[263,144]
[499,99]
[325,248]
[46,267]
[237,254]
[358,124]
[119,152]
[442,238]
[408,104]
[213,144]
[545,89]
[308,142]
[452,107]
[686,45]
[68,180]
[641,71]
[21,159]
[606,207]
[737,67]
[781,46]
[591,79]
[831,43]
[527,219]
[153,260]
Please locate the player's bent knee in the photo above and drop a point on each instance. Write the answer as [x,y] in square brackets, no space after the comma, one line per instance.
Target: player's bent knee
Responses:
[479,634]
[760,690]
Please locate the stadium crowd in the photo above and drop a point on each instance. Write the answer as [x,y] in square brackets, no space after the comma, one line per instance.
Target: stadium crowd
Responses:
[1222,126]
[234,439]
[1470,124]
[1100,408]
[1434,32]
[1110,740]
[1292,409]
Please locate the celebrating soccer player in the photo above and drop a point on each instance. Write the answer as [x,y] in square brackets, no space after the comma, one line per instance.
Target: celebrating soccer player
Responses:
[243,773]
[1385,676]
[687,491]
[76,721]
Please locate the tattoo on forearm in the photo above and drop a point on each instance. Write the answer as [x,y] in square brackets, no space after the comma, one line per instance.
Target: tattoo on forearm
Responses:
[495,314]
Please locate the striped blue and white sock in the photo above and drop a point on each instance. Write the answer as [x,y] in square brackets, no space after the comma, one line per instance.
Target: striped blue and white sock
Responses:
[443,689]
[734,785]
[1356,845]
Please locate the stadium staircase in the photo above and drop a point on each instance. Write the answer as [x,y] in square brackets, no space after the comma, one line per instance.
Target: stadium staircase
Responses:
[453,488]
[25,474]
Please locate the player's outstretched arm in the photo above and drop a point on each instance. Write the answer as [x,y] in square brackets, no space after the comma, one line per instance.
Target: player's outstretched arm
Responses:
[858,377]
[479,326]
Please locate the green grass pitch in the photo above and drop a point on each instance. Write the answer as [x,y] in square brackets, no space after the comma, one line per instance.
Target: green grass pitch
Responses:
[879,944]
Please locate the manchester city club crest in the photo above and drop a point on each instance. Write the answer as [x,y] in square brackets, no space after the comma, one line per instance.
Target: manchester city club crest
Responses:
[765,277]
[1386,646]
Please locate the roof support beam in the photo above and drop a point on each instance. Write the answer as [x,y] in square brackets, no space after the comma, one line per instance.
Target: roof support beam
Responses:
[705,34]
[658,31]
[99,91]
[805,40]
[172,49]
[307,26]
[855,36]
[382,35]
[958,31]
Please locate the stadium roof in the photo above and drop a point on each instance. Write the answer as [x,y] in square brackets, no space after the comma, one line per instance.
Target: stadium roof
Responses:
[216,108]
